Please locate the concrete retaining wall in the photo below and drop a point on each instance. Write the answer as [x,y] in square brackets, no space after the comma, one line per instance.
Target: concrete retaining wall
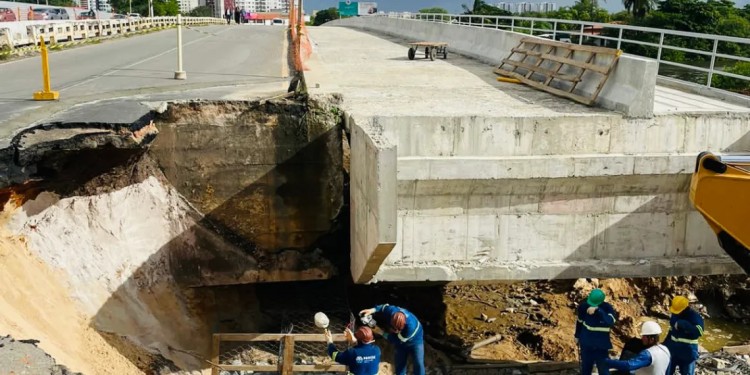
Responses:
[536,198]
[373,189]
[630,89]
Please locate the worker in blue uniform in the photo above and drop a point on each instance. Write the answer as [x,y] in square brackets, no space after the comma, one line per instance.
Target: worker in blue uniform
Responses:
[363,358]
[595,319]
[685,328]
[653,360]
[406,333]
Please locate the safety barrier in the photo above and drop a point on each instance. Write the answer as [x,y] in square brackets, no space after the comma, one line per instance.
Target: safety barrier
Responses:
[268,352]
[19,34]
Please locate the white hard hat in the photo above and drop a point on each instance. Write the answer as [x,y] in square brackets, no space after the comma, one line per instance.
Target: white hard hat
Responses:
[650,328]
[321,320]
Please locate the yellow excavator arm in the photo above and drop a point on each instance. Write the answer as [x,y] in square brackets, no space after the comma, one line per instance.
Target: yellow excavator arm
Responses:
[720,191]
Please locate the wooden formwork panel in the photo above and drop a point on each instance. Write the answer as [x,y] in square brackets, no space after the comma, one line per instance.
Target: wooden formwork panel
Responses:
[540,62]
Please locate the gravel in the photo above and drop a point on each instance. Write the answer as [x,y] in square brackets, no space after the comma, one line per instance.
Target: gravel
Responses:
[25,358]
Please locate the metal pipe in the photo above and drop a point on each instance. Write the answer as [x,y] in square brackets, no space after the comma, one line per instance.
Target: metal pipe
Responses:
[179,73]
[713,61]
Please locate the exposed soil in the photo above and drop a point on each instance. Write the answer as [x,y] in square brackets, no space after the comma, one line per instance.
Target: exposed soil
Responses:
[537,321]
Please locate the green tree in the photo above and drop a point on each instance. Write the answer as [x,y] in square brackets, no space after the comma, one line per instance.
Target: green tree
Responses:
[639,8]
[325,15]
[728,83]
[201,11]
[434,10]
[482,8]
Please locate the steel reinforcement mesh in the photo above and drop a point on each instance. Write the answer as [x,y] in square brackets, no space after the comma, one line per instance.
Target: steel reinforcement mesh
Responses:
[313,353]
[296,308]
[257,353]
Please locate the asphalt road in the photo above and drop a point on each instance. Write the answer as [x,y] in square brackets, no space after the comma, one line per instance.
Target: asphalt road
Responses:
[213,56]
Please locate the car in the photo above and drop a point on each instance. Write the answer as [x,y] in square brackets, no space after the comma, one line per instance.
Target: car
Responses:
[87,15]
[44,14]
[561,37]
[134,15]
[119,17]
[7,15]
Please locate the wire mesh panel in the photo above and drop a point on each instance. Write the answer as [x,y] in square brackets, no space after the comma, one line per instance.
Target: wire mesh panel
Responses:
[257,353]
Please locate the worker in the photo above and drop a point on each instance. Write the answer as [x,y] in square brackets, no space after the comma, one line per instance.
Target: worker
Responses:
[654,360]
[685,328]
[595,318]
[405,332]
[363,358]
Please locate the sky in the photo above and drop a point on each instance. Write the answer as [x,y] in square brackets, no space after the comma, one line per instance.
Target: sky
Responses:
[454,6]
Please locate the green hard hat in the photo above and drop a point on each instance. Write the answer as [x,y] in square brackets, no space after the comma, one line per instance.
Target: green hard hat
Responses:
[596,297]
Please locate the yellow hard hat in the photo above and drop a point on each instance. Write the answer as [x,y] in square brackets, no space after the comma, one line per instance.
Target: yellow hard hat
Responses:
[679,304]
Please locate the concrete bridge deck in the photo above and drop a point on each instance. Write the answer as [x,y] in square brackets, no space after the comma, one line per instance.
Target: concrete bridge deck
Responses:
[458,176]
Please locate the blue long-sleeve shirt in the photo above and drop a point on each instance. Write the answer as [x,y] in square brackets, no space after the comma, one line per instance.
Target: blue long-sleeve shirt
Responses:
[682,341]
[592,331]
[643,359]
[362,359]
[412,332]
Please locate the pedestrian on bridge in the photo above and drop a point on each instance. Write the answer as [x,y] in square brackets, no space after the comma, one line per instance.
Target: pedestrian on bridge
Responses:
[228,16]
[685,328]
[363,358]
[653,360]
[405,332]
[237,15]
[595,319]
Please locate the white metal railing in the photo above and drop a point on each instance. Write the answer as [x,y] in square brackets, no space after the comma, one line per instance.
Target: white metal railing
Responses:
[608,34]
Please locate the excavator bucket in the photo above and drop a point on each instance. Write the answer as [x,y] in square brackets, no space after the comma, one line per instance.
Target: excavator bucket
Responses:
[720,191]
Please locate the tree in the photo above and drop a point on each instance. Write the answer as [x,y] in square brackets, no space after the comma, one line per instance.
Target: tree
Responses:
[161,7]
[481,8]
[325,15]
[201,11]
[434,10]
[639,8]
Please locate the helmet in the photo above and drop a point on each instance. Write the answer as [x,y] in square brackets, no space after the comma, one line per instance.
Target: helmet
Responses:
[364,335]
[650,328]
[679,304]
[596,297]
[321,320]
[398,322]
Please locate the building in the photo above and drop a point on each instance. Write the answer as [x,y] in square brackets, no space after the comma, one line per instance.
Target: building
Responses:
[187,5]
[524,7]
[263,6]
[99,5]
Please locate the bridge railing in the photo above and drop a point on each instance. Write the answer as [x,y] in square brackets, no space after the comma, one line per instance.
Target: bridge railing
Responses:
[686,56]
[19,34]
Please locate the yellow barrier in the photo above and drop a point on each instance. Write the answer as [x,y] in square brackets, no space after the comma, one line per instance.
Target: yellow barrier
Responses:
[47,93]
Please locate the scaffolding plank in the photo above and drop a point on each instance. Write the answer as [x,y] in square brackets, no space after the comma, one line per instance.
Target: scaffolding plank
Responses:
[576,47]
[540,70]
[287,364]
[576,63]
[541,86]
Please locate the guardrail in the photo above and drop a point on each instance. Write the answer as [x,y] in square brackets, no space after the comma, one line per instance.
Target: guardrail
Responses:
[18,34]
[618,36]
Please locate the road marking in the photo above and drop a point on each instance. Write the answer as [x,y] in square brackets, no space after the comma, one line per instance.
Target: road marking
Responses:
[115,70]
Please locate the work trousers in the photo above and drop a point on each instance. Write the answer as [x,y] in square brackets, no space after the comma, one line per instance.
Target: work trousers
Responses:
[591,357]
[416,352]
